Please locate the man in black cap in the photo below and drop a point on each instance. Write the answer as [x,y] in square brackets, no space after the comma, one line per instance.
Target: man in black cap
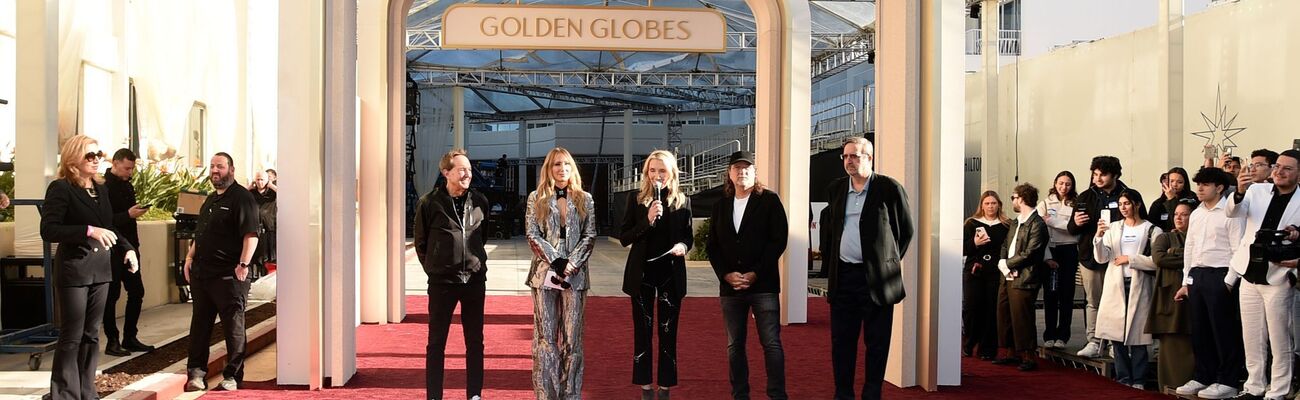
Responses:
[748,231]
[121,195]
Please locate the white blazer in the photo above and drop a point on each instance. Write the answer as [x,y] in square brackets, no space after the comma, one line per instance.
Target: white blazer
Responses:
[1252,208]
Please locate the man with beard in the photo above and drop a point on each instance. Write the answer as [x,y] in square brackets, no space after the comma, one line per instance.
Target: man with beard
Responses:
[217,269]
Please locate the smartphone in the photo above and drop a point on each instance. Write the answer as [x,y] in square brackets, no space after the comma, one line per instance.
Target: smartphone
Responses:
[979,230]
[1105,215]
[146,206]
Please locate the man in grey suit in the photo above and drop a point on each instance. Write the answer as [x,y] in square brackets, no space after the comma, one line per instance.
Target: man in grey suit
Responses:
[863,241]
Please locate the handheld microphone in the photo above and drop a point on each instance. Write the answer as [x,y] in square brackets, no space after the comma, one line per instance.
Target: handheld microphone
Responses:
[659,188]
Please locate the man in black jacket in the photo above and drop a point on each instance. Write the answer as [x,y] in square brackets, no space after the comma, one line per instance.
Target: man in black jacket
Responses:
[121,195]
[1021,256]
[748,232]
[1102,197]
[449,242]
[864,239]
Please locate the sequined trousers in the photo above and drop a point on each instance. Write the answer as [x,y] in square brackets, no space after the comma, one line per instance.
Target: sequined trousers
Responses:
[557,343]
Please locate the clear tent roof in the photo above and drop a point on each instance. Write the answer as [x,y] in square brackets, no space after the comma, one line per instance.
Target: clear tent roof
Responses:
[828,18]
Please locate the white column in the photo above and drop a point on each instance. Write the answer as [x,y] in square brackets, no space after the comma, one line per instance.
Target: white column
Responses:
[1169,31]
[992,143]
[339,216]
[372,87]
[943,130]
[898,91]
[300,79]
[458,115]
[627,143]
[396,176]
[36,112]
[782,106]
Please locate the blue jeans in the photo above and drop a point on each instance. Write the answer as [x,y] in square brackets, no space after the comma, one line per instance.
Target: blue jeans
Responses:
[766,308]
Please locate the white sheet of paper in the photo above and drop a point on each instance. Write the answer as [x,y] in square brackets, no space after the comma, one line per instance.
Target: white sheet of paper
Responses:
[547,284]
[670,251]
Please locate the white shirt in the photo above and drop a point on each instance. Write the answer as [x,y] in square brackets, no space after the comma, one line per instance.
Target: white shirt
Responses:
[1130,244]
[1011,249]
[1057,215]
[1211,238]
[738,212]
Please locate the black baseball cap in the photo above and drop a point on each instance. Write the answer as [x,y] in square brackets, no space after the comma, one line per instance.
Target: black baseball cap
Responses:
[741,156]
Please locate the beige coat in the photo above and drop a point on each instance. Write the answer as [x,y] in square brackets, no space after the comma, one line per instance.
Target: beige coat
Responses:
[1115,320]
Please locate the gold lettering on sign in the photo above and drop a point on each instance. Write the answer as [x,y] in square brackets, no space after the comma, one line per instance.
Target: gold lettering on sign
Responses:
[599,28]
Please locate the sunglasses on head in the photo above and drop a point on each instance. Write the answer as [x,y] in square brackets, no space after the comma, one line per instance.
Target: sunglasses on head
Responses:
[95,155]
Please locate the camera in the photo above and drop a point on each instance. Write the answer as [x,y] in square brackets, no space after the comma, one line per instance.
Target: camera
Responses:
[1270,246]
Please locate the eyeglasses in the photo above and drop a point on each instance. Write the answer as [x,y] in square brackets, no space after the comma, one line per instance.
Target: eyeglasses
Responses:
[1280,167]
[95,155]
[855,156]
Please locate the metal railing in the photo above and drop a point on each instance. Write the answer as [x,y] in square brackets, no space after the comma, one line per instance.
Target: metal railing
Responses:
[1008,42]
[700,163]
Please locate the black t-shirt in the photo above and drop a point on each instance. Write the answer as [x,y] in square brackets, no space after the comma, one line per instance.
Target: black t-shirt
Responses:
[1276,207]
[224,220]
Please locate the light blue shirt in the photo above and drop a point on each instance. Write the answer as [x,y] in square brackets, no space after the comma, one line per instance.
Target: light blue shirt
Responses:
[851,240]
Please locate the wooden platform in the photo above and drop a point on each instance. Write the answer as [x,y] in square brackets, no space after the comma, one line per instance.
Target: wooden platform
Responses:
[1067,357]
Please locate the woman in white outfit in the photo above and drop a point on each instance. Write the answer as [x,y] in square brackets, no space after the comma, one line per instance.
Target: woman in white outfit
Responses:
[1129,284]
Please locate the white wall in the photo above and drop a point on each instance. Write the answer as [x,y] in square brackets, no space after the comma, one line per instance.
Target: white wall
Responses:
[8,60]
[1102,98]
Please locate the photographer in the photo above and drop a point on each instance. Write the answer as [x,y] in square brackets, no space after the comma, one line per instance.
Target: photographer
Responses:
[1266,294]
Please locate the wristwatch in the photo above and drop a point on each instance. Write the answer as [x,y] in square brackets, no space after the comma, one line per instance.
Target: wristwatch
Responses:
[243,264]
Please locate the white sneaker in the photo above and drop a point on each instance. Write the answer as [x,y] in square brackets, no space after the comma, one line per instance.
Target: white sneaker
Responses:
[1060,344]
[1190,388]
[1138,386]
[1217,391]
[1092,350]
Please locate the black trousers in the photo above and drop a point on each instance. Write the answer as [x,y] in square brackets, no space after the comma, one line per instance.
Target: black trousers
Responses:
[853,313]
[979,312]
[77,352]
[1215,320]
[134,298]
[766,308]
[1058,293]
[442,305]
[643,327]
[225,297]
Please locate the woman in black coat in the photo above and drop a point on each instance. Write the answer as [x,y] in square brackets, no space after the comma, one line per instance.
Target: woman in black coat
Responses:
[657,224]
[984,233]
[1173,187]
[77,215]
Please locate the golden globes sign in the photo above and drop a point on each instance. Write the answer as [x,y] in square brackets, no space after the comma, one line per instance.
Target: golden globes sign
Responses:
[552,27]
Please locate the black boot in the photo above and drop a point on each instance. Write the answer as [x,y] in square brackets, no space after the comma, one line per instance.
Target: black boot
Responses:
[134,344]
[113,348]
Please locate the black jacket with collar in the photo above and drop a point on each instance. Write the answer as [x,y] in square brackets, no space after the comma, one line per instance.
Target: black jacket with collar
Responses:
[121,195]
[885,229]
[67,211]
[1094,200]
[1031,247]
[649,241]
[756,248]
[451,247]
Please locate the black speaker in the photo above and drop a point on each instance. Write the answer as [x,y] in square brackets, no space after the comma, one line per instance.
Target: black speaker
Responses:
[412,101]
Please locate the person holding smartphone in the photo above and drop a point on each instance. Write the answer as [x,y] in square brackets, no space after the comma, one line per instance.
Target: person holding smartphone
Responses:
[121,197]
[1062,261]
[1099,202]
[984,233]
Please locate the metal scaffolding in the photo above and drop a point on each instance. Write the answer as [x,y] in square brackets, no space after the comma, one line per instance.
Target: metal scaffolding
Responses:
[432,77]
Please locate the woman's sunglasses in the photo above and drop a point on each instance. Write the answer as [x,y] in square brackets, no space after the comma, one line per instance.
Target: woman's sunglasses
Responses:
[96,155]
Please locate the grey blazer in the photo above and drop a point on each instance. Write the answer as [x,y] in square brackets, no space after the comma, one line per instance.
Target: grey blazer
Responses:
[544,239]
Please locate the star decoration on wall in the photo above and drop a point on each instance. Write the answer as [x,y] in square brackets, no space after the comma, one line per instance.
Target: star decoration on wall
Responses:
[1219,130]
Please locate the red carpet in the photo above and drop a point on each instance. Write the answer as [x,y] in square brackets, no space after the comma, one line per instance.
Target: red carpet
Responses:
[390,361]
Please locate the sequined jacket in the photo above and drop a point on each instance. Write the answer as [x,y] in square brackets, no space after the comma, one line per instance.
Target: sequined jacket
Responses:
[544,239]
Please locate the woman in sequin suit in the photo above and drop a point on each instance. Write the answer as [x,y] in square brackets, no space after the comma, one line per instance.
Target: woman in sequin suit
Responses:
[561,230]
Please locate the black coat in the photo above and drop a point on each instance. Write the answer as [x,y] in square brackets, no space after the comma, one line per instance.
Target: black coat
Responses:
[451,251]
[68,210]
[756,248]
[121,195]
[986,255]
[886,230]
[636,232]
[1092,201]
